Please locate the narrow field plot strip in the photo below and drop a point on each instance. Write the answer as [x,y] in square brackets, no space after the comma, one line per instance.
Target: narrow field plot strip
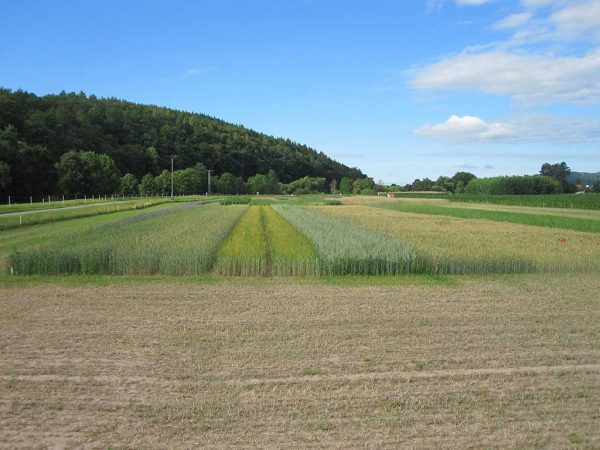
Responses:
[25,219]
[292,253]
[540,220]
[244,252]
[481,246]
[587,201]
[347,248]
[180,243]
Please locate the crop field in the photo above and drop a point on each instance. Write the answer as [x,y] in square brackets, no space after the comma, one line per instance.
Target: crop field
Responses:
[301,322]
[56,203]
[482,246]
[245,250]
[586,201]
[181,243]
[263,243]
[313,236]
[590,224]
[347,249]
[36,216]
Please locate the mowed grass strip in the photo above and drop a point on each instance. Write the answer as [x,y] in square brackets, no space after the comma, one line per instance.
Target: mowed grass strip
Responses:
[292,253]
[181,243]
[539,220]
[481,246]
[244,252]
[347,248]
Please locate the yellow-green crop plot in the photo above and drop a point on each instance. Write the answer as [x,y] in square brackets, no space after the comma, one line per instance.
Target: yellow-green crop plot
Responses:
[263,243]
[481,246]
[291,252]
[244,252]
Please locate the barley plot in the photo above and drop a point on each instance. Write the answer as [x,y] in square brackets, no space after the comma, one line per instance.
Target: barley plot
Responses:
[465,246]
[180,243]
[346,248]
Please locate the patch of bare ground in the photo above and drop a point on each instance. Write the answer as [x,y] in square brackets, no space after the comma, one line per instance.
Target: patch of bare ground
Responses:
[492,362]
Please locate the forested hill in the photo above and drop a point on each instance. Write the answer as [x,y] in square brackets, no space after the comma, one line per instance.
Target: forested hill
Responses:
[35,131]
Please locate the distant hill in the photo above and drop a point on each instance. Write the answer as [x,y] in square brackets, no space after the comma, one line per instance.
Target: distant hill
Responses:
[584,178]
[36,131]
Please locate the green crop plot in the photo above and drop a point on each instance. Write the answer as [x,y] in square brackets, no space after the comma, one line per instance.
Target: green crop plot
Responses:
[181,243]
[29,218]
[346,248]
[541,220]
[586,201]
[56,204]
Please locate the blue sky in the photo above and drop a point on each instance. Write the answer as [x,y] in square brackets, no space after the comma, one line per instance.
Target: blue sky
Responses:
[401,89]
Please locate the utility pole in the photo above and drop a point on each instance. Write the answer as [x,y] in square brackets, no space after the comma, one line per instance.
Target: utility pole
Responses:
[172,157]
[209,171]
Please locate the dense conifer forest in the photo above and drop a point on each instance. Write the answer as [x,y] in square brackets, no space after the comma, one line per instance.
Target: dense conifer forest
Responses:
[36,131]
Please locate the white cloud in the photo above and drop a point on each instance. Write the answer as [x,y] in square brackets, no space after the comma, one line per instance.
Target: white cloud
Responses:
[553,21]
[527,78]
[525,66]
[526,129]
[458,128]
[578,20]
[513,21]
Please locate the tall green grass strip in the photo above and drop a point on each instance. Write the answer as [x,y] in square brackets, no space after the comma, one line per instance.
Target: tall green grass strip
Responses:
[181,243]
[292,253]
[244,252]
[346,248]
[577,201]
[540,220]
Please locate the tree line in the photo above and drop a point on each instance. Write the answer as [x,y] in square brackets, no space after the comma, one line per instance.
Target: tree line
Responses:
[85,173]
[37,131]
[551,179]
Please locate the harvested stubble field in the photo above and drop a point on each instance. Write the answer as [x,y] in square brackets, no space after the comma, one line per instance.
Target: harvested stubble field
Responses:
[420,362]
